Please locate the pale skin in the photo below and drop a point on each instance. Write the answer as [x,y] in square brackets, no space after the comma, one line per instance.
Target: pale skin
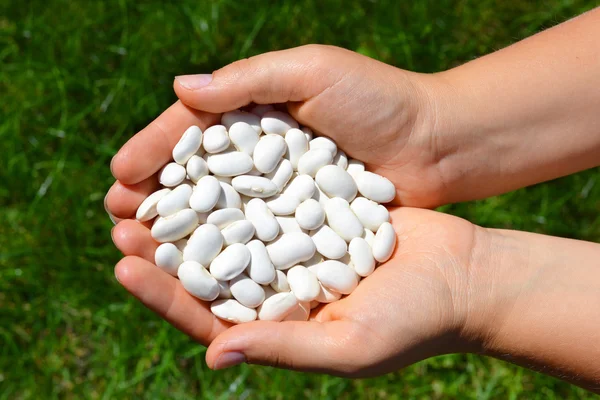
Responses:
[522,115]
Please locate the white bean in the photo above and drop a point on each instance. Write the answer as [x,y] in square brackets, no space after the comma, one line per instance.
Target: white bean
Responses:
[188,145]
[375,187]
[304,284]
[231,262]
[361,256]
[308,133]
[262,109]
[147,210]
[288,224]
[384,242]
[277,307]
[260,269]
[280,283]
[243,137]
[328,243]
[369,236]
[321,197]
[327,296]
[230,163]
[310,215]
[369,213]
[268,152]
[174,227]
[297,145]
[238,232]
[225,217]
[277,122]
[198,281]
[246,291]
[291,249]
[262,218]
[204,245]
[342,220]
[313,160]
[168,258]
[323,142]
[216,139]
[231,117]
[232,311]
[229,197]
[176,200]
[337,276]
[205,194]
[254,186]
[281,174]
[341,159]
[171,175]
[336,182]
[354,167]
[196,168]
[302,187]
[283,204]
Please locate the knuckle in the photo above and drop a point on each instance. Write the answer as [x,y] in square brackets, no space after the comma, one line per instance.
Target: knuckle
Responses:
[234,70]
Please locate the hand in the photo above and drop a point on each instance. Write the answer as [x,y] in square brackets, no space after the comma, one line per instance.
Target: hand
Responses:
[412,307]
[376,113]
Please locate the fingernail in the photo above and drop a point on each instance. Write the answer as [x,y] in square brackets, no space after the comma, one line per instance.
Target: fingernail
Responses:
[229,359]
[193,82]
[117,276]
[112,218]
[112,161]
[111,234]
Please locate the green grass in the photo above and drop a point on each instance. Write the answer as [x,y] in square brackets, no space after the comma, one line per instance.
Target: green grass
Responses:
[78,78]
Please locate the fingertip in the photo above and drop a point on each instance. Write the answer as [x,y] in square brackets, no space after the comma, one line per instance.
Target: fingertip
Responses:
[122,201]
[122,233]
[133,238]
[121,167]
[236,339]
[125,271]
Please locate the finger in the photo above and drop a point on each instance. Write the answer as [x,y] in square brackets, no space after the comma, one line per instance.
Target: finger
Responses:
[304,346]
[146,152]
[134,239]
[292,75]
[122,201]
[165,295]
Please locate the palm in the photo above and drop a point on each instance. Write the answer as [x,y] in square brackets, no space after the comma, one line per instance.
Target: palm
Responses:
[406,305]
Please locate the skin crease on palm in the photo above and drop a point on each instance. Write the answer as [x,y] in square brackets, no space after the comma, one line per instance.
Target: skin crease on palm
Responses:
[450,286]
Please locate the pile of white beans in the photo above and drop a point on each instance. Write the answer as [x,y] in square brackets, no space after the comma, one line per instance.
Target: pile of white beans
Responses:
[265,221]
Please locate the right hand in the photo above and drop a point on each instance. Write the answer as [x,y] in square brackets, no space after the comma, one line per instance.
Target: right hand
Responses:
[379,114]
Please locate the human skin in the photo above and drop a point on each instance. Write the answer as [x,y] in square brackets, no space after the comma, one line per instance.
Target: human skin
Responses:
[450,287]
[516,117]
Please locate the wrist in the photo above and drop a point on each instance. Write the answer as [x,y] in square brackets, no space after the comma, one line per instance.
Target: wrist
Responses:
[500,267]
[443,129]
[533,301]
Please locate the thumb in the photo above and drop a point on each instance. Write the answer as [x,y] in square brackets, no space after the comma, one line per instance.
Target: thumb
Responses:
[292,75]
[305,346]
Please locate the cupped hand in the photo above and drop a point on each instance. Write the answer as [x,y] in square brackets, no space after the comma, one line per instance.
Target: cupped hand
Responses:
[412,307]
[379,114]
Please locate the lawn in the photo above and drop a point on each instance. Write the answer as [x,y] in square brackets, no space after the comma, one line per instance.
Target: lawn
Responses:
[79,77]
